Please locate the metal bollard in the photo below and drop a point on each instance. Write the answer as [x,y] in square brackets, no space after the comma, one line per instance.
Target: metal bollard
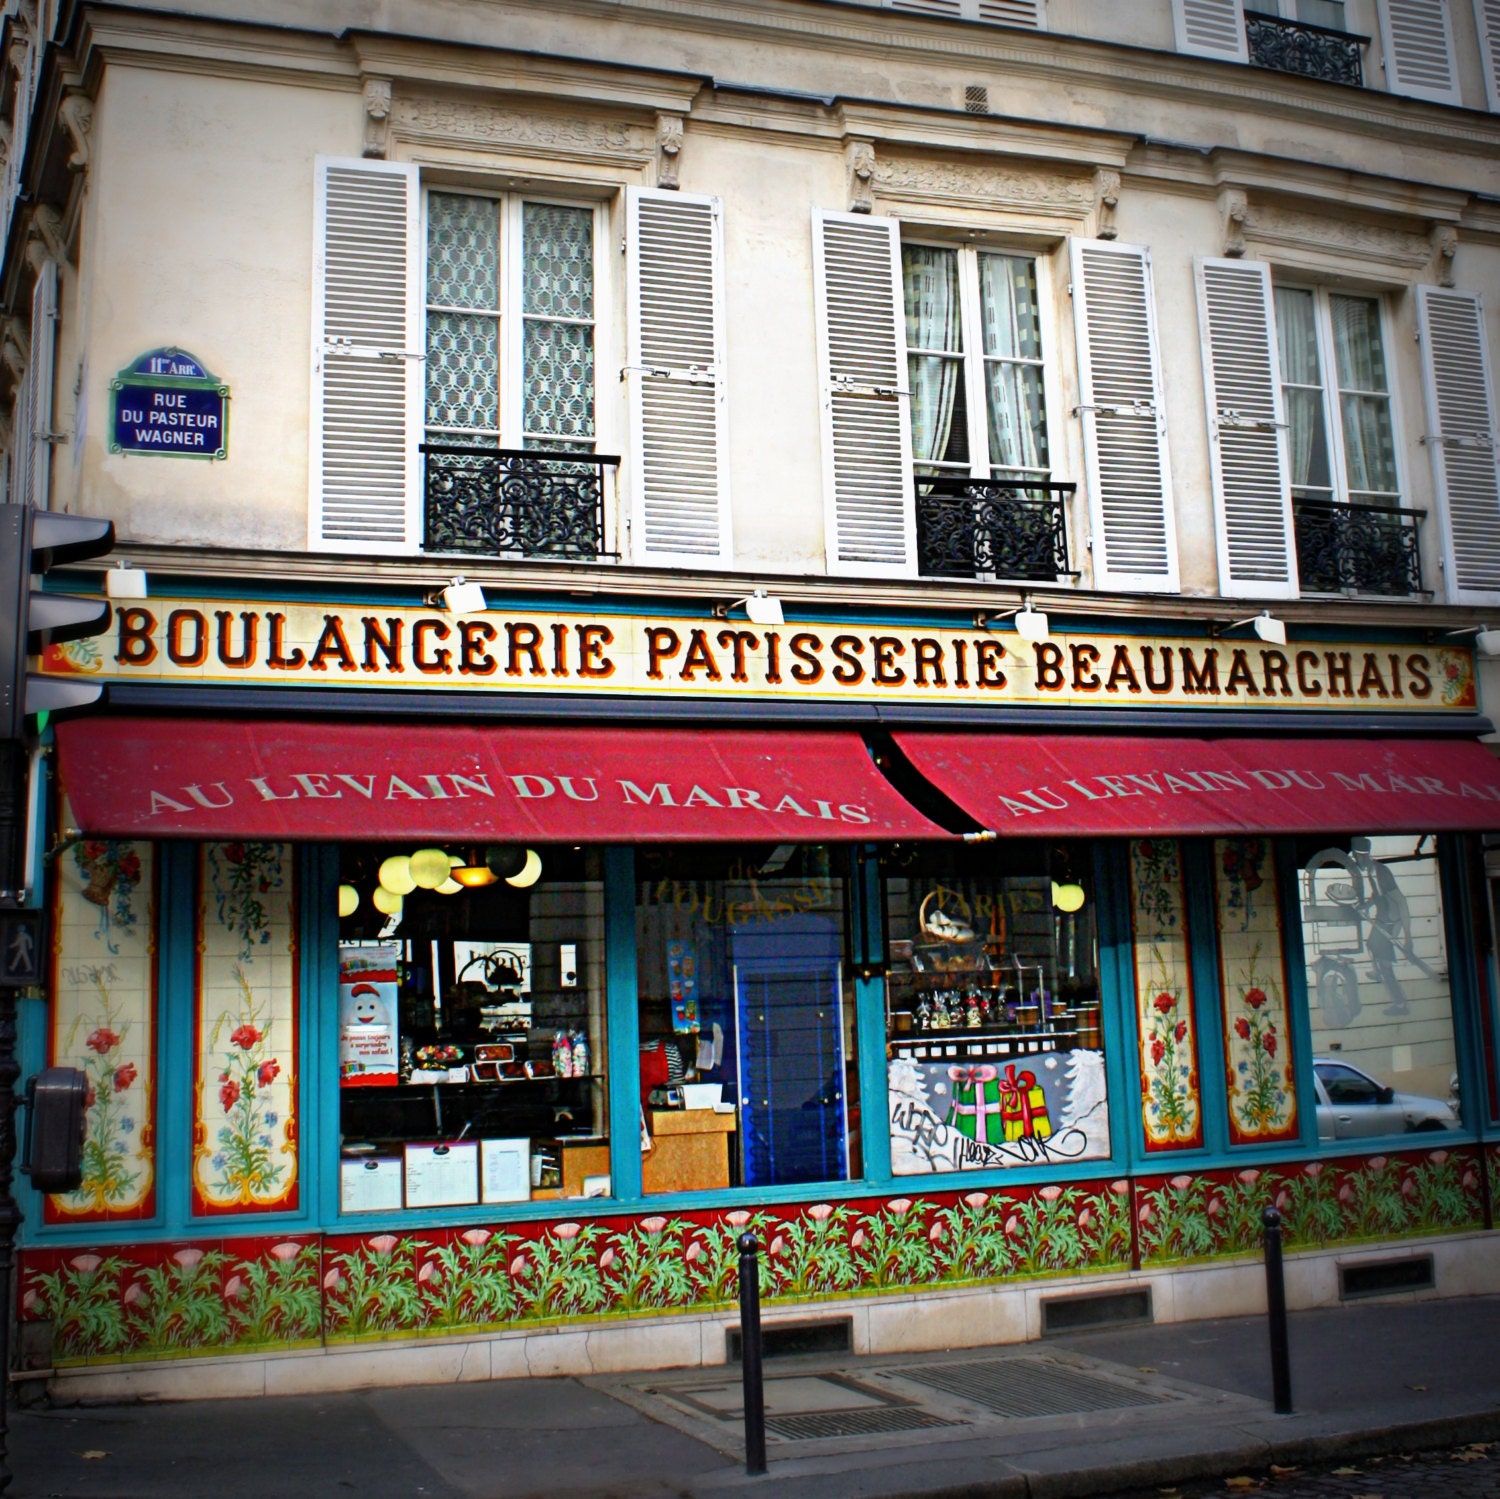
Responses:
[750,1369]
[1281,1369]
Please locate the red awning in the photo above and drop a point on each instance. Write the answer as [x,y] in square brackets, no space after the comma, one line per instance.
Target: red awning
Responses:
[170,778]
[1070,785]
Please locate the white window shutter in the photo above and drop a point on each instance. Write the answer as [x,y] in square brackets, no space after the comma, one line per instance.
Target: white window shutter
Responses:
[22,449]
[1029,13]
[1487,23]
[1461,437]
[366,478]
[1210,28]
[1124,418]
[680,462]
[1416,38]
[1246,430]
[869,508]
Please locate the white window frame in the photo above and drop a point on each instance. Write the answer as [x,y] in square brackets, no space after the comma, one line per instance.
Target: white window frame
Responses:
[974,359]
[510,204]
[1328,368]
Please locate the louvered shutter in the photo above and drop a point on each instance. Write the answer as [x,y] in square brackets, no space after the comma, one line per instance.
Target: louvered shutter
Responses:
[40,369]
[1462,440]
[1210,28]
[1417,41]
[367,360]
[869,511]
[21,446]
[1124,422]
[1246,430]
[1487,22]
[680,463]
[1028,13]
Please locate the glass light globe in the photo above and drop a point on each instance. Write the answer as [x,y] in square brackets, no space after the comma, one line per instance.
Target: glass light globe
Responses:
[348,900]
[1068,898]
[429,867]
[386,901]
[395,875]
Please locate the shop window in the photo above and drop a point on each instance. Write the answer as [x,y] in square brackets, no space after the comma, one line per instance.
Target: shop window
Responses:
[471,1027]
[993,1033]
[748,1058]
[1378,987]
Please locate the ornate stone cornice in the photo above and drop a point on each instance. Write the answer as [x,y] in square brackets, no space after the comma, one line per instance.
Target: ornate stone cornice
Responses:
[449,121]
[1288,234]
[984,185]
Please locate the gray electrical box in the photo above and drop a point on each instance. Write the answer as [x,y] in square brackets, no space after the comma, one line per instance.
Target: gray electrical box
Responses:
[56,1122]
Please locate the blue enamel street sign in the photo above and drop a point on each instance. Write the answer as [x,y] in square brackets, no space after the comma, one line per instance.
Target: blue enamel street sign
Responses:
[167,403]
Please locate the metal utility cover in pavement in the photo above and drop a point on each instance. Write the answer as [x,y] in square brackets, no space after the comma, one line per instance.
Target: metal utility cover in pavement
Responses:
[1027,1387]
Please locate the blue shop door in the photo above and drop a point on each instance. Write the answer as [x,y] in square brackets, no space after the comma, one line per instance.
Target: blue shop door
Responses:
[788,1000]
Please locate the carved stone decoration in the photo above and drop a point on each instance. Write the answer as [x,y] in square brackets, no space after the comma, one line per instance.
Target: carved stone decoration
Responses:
[1235,207]
[48,235]
[446,121]
[15,347]
[859,157]
[1106,200]
[1344,238]
[20,50]
[982,185]
[77,115]
[1444,248]
[377,95]
[668,150]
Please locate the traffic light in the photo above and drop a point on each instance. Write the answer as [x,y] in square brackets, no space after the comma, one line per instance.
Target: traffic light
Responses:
[31,542]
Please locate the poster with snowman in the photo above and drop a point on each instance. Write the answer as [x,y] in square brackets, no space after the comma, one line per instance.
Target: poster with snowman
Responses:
[369,1023]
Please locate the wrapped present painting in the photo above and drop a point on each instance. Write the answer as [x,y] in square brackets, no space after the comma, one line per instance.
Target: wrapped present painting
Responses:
[1023,1106]
[975,1110]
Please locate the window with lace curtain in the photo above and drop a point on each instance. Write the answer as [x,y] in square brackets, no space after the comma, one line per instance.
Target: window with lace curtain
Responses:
[1336,381]
[974,363]
[510,322]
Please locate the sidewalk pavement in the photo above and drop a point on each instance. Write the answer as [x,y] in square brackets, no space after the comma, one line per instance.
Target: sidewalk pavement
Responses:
[1169,1403]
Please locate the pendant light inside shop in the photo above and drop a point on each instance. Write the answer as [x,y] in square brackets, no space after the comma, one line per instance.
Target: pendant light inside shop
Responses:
[447,874]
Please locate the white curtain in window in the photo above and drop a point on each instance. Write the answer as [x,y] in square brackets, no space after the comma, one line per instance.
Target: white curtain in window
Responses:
[1297,331]
[1012,332]
[930,285]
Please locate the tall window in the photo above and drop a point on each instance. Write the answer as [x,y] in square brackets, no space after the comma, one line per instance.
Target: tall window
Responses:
[1313,12]
[1338,404]
[974,346]
[510,322]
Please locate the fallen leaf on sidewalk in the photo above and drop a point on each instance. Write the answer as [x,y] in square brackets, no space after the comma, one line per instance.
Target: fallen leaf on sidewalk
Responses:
[1367,1496]
[92,1453]
[1241,1484]
[1346,1472]
[1479,1446]
[1421,1389]
[1468,1456]
[1277,1471]
[1145,1368]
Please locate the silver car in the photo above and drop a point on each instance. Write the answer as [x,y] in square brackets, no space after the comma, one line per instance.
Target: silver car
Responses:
[1353,1105]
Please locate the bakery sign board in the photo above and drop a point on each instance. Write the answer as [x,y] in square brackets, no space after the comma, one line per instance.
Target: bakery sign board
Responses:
[545,652]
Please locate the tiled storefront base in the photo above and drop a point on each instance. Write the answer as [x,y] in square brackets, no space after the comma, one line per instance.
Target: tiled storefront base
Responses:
[1464,1265]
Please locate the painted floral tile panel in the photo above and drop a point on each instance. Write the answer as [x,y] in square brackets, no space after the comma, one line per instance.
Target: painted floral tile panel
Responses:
[244,1127]
[167,1300]
[103,1021]
[1171,1107]
[1258,1065]
[1204,1215]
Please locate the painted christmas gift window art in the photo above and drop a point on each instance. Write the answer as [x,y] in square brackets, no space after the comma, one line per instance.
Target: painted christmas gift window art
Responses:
[1258,1065]
[103,1022]
[1171,1106]
[994,1042]
[246,1030]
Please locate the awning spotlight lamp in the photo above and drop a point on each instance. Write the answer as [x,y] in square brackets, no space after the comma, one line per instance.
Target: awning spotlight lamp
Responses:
[1486,640]
[125,582]
[1267,626]
[348,900]
[1031,624]
[1067,898]
[761,608]
[461,597]
[396,875]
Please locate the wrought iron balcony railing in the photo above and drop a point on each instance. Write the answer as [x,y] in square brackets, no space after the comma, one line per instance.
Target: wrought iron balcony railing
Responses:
[1312,51]
[514,502]
[992,528]
[1358,549]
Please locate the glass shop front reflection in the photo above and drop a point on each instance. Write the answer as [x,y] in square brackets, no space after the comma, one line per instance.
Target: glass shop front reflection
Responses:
[1378,986]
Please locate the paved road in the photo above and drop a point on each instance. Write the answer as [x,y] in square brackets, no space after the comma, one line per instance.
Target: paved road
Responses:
[1469,1472]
